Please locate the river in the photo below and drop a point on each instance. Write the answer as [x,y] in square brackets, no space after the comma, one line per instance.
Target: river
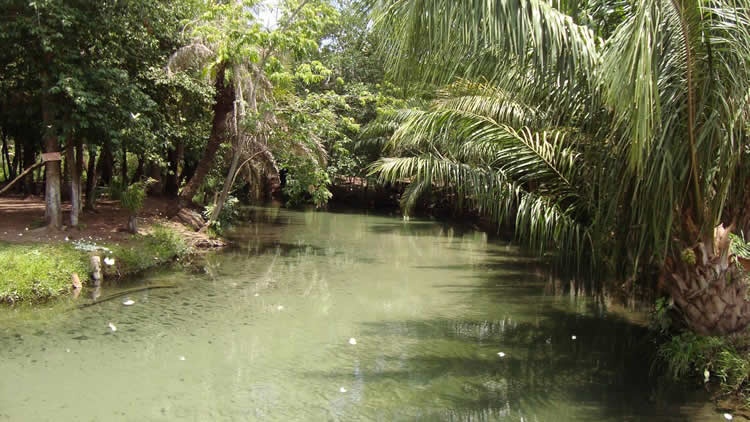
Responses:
[318,316]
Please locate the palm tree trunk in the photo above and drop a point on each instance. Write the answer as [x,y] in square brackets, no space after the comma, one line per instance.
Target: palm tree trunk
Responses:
[710,293]
[222,108]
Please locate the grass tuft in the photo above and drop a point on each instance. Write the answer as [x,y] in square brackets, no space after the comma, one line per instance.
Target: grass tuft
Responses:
[38,272]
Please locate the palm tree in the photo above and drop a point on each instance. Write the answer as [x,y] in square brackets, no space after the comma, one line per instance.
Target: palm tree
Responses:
[625,149]
[233,50]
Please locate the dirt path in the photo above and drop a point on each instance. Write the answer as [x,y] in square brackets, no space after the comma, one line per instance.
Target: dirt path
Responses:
[20,219]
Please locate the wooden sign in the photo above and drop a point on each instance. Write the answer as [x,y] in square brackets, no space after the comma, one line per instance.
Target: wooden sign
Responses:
[51,156]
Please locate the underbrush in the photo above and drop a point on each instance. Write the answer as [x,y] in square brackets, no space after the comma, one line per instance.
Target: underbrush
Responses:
[38,272]
[710,359]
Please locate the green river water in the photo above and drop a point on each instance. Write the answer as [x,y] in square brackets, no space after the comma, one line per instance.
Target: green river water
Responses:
[264,333]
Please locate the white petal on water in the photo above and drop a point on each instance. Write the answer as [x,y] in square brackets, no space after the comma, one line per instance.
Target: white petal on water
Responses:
[342,390]
[112,327]
[279,307]
[128,302]
[352,341]
[182,357]
[256,295]
[501,354]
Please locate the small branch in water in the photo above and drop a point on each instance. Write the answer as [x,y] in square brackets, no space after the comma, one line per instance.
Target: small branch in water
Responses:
[126,292]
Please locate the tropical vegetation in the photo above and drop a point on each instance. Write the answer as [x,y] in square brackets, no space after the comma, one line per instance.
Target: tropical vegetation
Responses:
[611,134]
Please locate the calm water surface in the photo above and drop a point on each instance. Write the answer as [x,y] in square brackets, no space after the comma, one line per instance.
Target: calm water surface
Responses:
[264,334]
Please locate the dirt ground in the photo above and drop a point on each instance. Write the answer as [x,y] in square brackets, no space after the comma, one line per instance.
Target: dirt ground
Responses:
[21,220]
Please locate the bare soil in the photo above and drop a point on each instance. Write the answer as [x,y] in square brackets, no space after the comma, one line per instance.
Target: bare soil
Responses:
[22,221]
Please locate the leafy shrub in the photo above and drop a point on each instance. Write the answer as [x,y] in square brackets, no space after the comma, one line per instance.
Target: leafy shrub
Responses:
[228,215]
[306,182]
[132,198]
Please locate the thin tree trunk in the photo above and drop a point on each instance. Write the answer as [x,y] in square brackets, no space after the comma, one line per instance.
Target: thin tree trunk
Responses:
[172,185]
[108,164]
[223,106]
[10,173]
[139,170]
[133,224]
[75,163]
[124,167]
[53,208]
[29,158]
[228,181]
[91,178]
[17,157]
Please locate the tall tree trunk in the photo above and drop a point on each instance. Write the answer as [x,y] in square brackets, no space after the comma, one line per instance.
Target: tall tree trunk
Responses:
[92,176]
[106,164]
[222,108]
[75,163]
[53,209]
[708,287]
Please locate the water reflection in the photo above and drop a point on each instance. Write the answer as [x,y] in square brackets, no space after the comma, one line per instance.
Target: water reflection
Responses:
[262,333]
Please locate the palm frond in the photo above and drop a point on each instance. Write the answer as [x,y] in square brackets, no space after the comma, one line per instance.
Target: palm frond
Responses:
[457,35]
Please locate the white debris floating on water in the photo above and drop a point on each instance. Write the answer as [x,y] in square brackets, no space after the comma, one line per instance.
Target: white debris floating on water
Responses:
[352,341]
[728,417]
[109,261]
[573,337]
[182,358]
[128,302]
[342,389]
[256,295]
[501,354]
[279,307]
[112,327]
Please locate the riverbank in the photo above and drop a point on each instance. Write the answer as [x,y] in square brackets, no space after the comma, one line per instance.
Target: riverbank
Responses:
[37,264]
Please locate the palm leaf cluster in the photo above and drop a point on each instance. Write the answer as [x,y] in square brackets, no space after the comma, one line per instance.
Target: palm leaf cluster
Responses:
[625,142]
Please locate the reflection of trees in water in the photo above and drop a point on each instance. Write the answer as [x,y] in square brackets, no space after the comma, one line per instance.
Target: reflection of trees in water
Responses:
[452,367]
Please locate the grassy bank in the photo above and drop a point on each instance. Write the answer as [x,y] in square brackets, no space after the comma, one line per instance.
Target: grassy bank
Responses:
[36,272]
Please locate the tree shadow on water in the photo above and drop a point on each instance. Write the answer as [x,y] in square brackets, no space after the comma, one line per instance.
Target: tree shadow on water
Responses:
[452,371]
